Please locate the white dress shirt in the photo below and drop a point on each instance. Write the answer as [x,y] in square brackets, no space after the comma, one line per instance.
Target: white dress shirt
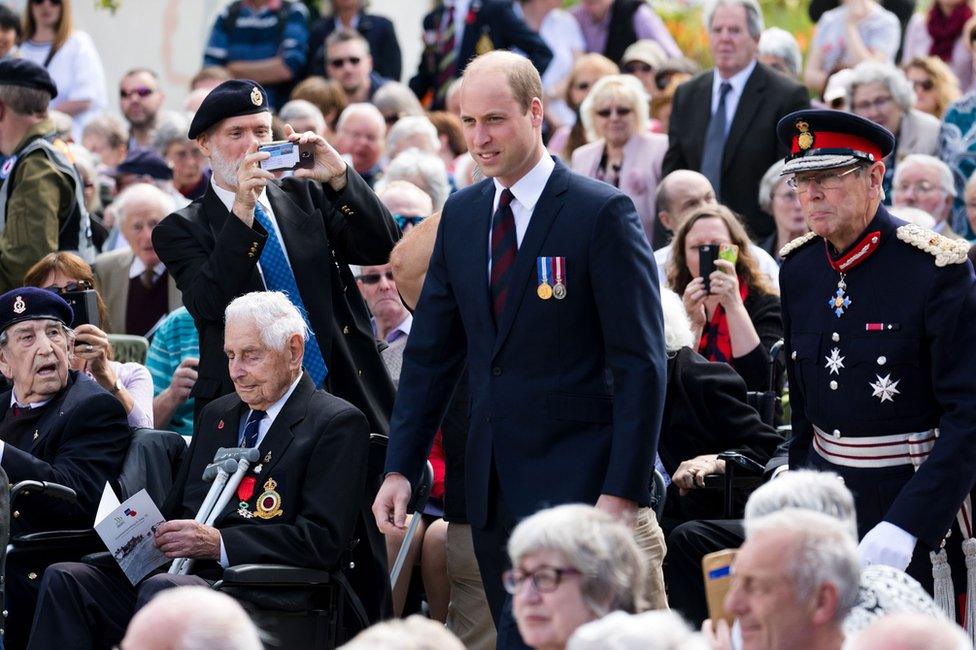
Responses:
[263,426]
[227,198]
[738,83]
[138,266]
[526,192]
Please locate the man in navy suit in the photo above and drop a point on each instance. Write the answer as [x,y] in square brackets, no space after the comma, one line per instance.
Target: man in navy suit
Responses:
[559,321]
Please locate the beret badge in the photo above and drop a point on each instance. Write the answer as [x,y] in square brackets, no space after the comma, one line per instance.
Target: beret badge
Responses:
[805,138]
[256,98]
[19,305]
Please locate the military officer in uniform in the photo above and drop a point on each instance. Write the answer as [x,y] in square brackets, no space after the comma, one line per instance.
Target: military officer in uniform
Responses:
[880,322]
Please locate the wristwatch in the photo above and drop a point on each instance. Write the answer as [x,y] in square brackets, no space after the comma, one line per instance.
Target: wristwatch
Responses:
[117,386]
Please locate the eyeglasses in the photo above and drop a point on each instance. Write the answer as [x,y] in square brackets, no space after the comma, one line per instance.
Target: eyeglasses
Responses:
[56,3]
[582,85]
[351,60]
[826,181]
[921,187]
[662,79]
[80,285]
[877,104]
[924,84]
[545,579]
[621,111]
[789,195]
[374,278]
[637,66]
[404,220]
[141,92]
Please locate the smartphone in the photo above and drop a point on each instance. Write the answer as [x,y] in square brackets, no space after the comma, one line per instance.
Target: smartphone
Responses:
[286,155]
[84,305]
[717,572]
[707,254]
[729,253]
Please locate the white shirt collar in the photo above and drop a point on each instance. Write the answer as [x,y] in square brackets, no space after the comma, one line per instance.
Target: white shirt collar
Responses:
[34,405]
[738,80]
[528,189]
[138,266]
[227,197]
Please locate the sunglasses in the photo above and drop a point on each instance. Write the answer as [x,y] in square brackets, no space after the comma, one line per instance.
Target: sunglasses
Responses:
[637,66]
[80,285]
[583,85]
[142,91]
[338,63]
[925,84]
[374,278]
[403,221]
[56,3]
[621,111]
[662,79]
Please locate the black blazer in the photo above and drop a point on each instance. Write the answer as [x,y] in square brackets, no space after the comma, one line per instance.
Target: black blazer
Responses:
[378,32]
[80,443]
[706,412]
[751,146]
[494,20]
[315,452]
[214,257]
[566,395]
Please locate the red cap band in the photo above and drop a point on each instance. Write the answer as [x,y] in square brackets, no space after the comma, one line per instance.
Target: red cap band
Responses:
[835,140]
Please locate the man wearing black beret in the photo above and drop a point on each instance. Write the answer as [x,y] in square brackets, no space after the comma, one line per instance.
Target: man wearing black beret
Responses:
[41,203]
[56,425]
[254,232]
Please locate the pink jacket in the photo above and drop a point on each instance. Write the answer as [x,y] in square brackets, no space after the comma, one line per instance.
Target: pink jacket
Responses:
[640,174]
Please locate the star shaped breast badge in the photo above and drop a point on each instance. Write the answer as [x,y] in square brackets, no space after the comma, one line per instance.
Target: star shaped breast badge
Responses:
[885,388]
[834,362]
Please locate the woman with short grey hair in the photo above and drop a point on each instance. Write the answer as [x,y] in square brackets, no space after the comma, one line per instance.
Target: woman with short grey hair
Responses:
[570,565]
[412,131]
[191,176]
[779,50]
[780,200]
[425,170]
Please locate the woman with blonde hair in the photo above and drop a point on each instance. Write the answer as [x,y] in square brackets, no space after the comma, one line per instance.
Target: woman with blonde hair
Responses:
[587,70]
[736,318]
[936,86]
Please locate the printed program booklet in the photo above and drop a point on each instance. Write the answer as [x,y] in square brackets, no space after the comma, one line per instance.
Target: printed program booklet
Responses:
[128,530]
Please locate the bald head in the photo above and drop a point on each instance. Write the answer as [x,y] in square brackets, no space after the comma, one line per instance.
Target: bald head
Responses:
[911,632]
[679,193]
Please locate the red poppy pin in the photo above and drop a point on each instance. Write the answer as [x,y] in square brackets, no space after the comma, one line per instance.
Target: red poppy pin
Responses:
[245,490]
[472,14]
[220,425]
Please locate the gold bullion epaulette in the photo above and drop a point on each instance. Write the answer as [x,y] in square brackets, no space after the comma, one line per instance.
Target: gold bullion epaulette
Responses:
[797,243]
[946,250]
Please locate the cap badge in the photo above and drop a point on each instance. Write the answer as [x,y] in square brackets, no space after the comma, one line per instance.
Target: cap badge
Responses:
[19,305]
[256,97]
[805,139]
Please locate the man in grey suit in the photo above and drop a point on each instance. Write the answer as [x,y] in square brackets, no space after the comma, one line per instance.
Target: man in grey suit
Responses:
[133,282]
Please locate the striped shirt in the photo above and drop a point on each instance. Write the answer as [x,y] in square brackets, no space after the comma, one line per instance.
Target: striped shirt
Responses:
[175,340]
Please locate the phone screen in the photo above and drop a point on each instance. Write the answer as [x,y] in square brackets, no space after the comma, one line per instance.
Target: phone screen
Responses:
[284,155]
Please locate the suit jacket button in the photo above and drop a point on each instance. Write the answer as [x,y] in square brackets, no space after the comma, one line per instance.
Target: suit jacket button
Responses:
[16,514]
[833,385]
[32,576]
[345,329]
[496,371]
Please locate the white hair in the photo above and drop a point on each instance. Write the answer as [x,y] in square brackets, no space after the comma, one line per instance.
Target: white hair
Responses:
[754,16]
[172,129]
[625,87]
[781,44]
[945,174]
[657,630]
[302,109]
[406,191]
[366,110]
[769,181]
[805,489]
[412,633]
[868,72]
[395,98]
[917,216]
[825,553]
[425,170]
[911,631]
[612,567]
[677,326]
[204,620]
[138,192]
[409,126]
[275,317]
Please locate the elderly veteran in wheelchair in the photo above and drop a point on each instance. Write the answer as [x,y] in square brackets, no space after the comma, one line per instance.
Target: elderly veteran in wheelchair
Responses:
[297,504]
[56,425]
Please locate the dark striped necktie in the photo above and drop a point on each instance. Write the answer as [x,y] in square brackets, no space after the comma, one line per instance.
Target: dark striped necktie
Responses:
[504,248]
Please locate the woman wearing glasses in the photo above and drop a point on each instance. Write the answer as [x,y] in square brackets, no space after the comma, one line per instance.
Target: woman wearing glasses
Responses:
[621,152]
[777,198]
[934,83]
[571,565]
[131,383]
[941,32]
[587,70]
[70,58]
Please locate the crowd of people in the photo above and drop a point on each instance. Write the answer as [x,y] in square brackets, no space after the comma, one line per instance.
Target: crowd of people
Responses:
[557,262]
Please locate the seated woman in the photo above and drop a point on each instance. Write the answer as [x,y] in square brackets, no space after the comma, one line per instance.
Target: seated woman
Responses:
[131,383]
[571,564]
[738,319]
[777,198]
[621,152]
[705,413]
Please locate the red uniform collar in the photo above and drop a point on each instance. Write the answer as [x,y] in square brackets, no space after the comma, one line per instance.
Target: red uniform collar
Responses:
[856,254]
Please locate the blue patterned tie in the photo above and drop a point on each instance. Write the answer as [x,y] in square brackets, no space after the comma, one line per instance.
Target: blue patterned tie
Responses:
[279,277]
[250,437]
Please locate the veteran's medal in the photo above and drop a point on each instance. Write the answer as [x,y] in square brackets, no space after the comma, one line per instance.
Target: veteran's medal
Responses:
[245,490]
[545,290]
[269,501]
[559,290]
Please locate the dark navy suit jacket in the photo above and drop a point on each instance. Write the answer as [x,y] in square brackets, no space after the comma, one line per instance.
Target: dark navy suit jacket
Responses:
[566,395]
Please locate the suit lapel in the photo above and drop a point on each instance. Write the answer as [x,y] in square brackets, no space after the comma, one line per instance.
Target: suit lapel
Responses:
[752,94]
[550,203]
[482,214]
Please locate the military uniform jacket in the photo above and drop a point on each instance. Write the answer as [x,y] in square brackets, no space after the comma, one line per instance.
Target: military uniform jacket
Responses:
[910,321]
[214,258]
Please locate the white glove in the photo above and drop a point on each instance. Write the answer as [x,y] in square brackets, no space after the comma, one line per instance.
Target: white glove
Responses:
[887,544]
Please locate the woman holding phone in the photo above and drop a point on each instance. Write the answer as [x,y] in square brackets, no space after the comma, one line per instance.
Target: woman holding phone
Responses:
[734,311]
